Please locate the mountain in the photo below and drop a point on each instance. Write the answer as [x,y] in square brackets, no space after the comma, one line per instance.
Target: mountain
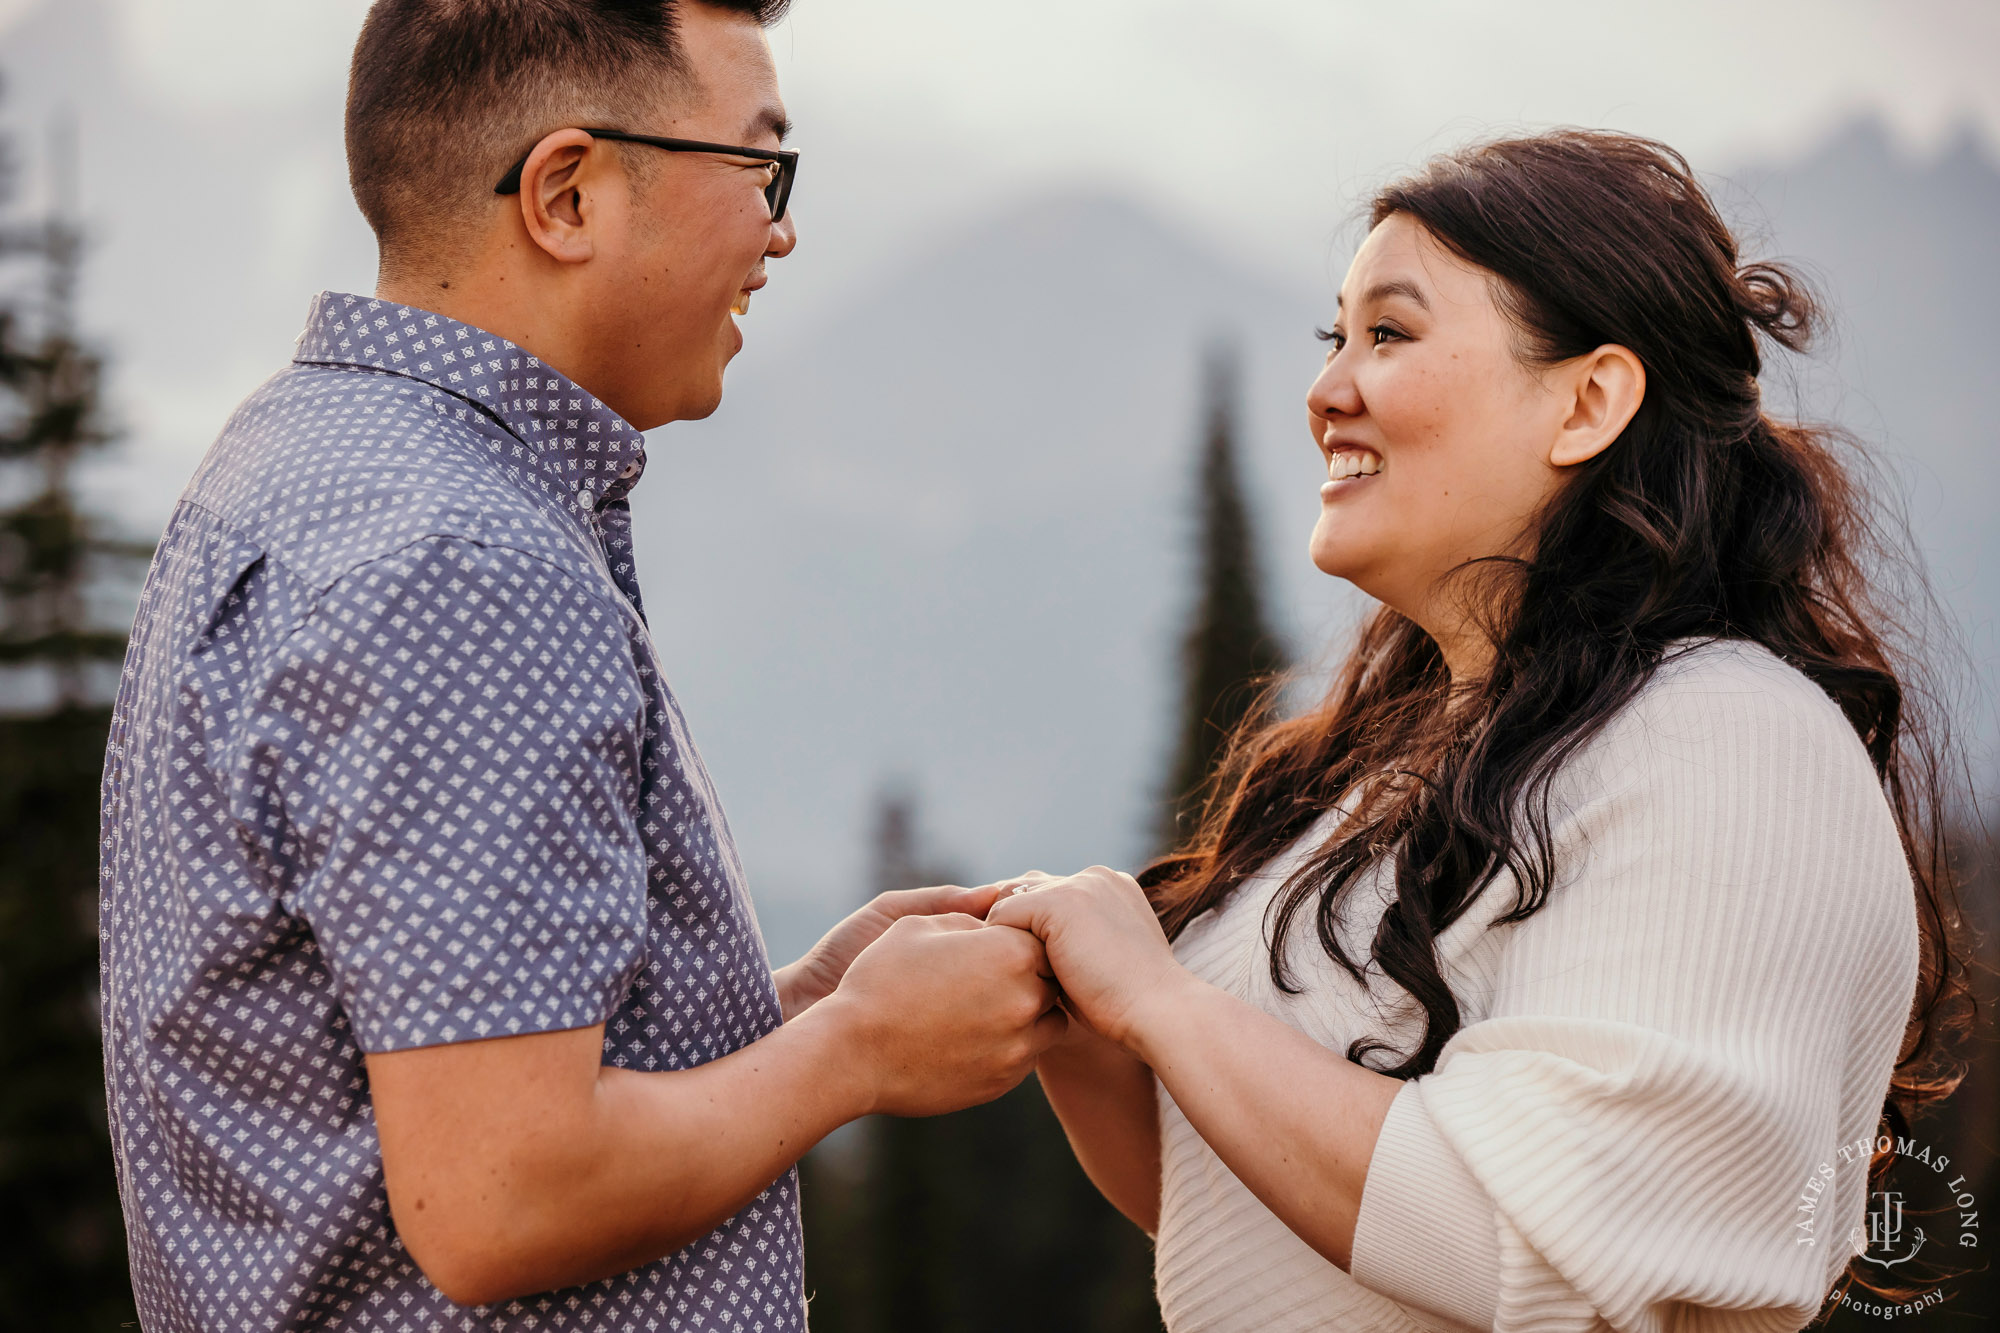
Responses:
[939,536]
[1906,249]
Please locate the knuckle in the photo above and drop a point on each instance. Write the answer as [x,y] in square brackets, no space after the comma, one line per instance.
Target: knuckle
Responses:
[906,929]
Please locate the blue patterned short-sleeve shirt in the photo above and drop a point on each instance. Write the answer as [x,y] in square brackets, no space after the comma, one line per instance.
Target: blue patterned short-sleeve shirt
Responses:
[394,765]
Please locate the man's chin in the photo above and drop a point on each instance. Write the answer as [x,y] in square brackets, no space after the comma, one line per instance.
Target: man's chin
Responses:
[701,403]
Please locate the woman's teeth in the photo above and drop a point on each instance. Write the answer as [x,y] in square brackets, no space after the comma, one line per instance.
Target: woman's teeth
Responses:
[741,305]
[1353,463]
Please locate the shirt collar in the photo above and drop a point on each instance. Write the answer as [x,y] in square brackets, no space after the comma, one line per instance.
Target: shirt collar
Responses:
[590,453]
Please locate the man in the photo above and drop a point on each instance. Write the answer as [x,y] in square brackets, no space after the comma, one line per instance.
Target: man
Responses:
[433,998]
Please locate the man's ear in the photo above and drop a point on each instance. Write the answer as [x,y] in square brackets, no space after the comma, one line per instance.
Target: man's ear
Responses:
[1607,387]
[555,207]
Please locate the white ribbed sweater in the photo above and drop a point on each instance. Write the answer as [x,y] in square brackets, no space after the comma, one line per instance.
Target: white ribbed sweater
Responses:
[1651,1067]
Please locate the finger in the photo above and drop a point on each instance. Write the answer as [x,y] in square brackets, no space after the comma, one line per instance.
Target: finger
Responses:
[1040,959]
[973,901]
[1051,992]
[976,901]
[1032,879]
[936,921]
[1105,875]
[1021,947]
[1020,911]
[1048,1030]
[927,901]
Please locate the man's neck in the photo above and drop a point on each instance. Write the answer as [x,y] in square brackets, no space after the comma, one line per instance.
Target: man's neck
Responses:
[511,306]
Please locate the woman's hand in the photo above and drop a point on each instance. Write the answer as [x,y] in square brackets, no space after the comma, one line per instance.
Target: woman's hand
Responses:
[1105,945]
[813,977]
[1295,1121]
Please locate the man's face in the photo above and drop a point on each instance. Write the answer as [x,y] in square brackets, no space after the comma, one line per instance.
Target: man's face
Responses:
[690,241]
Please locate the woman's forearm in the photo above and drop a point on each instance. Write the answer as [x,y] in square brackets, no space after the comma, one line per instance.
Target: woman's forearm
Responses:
[1105,1101]
[1295,1122]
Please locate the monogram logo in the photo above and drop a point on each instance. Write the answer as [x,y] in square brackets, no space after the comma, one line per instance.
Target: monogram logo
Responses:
[1880,1241]
[1889,1229]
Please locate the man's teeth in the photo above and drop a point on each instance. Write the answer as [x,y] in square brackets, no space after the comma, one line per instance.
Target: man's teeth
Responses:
[741,305]
[1353,463]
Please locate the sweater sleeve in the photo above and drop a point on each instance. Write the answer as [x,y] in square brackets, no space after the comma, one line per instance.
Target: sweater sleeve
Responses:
[1708,1005]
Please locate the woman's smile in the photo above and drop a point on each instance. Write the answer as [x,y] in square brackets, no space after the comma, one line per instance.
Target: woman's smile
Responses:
[1347,467]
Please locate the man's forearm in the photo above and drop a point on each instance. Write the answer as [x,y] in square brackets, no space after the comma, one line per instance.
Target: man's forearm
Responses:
[615,1167]
[521,1164]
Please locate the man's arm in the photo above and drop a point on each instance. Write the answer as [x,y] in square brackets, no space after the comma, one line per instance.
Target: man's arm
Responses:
[523,1164]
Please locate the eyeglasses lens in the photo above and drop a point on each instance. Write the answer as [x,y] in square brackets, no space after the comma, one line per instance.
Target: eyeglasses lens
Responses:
[777,193]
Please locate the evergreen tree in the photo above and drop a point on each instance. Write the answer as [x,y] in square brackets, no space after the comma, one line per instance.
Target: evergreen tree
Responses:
[62,1244]
[1229,650]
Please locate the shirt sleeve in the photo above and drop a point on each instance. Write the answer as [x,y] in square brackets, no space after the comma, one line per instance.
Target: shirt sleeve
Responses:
[1689,1029]
[443,776]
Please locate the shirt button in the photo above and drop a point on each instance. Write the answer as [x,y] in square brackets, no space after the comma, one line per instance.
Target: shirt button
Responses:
[631,471]
[584,497]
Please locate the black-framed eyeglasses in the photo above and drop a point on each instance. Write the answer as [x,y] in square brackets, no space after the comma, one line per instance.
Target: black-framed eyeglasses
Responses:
[777,193]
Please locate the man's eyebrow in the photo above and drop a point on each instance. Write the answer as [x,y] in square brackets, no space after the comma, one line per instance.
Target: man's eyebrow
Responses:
[771,120]
[1393,287]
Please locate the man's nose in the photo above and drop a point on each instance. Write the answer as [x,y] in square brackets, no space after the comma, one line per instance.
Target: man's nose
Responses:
[784,236]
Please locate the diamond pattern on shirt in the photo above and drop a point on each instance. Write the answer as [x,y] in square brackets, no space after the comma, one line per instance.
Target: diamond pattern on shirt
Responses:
[394,764]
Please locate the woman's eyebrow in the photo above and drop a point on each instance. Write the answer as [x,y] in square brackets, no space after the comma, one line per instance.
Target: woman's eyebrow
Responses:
[1393,287]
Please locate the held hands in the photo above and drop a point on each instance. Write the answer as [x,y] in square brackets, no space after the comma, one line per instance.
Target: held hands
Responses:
[943,1013]
[813,977]
[1103,941]
[940,1012]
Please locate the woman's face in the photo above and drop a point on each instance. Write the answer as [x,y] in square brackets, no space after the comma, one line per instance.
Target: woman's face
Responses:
[1438,440]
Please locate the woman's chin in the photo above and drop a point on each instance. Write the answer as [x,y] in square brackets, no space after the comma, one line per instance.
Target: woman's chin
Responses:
[1331,553]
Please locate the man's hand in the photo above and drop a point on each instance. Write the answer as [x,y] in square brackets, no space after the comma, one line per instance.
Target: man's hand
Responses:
[950,1014]
[1103,940]
[812,978]
[523,1164]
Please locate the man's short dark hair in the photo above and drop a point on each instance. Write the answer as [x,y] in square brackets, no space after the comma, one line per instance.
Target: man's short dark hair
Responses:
[444,95]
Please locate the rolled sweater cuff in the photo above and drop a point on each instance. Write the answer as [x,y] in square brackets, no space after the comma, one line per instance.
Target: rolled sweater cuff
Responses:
[1427,1235]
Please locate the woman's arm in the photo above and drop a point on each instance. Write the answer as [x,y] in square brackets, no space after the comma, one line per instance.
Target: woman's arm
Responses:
[1295,1121]
[1675,1050]
[1104,1098]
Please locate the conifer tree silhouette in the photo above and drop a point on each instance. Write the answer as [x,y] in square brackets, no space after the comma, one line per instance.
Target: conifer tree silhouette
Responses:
[62,1240]
[1228,650]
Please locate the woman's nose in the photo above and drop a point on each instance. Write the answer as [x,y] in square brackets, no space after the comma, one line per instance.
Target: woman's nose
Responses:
[1334,393]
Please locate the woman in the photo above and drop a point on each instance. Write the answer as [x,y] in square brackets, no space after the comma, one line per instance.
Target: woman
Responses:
[1531,978]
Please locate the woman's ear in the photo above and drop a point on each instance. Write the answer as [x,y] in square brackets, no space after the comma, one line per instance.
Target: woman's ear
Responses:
[1608,384]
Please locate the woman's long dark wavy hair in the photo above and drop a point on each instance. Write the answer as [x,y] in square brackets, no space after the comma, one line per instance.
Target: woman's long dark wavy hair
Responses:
[1706,518]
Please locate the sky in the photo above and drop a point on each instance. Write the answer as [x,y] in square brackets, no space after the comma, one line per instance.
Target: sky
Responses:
[214,193]
[211,129]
